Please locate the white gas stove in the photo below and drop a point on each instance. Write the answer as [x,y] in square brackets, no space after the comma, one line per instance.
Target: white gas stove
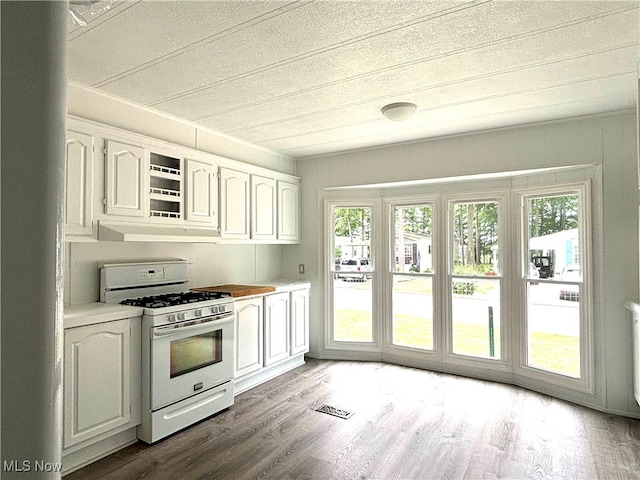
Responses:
[187,343]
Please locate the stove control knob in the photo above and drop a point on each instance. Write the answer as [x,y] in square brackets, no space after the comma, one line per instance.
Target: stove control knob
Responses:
[182,316]
[199,312]
[215,309]
[173,317]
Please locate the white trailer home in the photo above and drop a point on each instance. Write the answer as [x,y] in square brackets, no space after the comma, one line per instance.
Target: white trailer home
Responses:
[562,247]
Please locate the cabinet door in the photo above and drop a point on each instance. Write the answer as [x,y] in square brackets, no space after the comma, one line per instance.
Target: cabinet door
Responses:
[288,211]
[79,175]
[97,380]
[299,321]
[276,328]
[249,336]
[263,208]
[125,179]
[234,208]
[202,192]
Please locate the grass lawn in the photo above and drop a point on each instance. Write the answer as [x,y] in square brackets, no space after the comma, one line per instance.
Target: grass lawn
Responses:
[352,325]
[558,353]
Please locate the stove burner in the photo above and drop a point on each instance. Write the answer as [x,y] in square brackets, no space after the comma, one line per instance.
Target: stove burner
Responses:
[171,299]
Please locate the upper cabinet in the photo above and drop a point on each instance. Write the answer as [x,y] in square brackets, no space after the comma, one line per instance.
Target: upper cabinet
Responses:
[201,192]
[288,211]
[263,208]
[125,179]
[148,190]
[234,204]
[79,176]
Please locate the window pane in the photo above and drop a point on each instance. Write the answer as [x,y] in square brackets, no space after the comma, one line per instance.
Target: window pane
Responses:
[413,311]
[475,232]
[413,239]
[553,328]
[352,320]
[554,246]
[352,230]
[553,309]
[352,273]
[476,317]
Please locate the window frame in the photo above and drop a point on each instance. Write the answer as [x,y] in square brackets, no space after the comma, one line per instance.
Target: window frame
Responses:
[514,333]
[391,203]
[586,382]
[330,343]
[501,197]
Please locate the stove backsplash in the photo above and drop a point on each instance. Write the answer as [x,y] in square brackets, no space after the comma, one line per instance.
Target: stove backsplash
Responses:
[208,264]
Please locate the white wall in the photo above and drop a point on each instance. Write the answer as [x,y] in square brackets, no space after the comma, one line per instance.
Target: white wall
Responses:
[33,82]
[209,264]
[609,141]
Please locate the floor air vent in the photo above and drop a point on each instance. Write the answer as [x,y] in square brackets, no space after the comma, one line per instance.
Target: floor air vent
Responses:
[336,412]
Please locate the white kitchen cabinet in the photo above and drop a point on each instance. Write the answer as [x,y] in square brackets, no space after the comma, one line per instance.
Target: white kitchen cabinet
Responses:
[126,181]
[288,211]
[263,208]
[201,192]
[276,328]
[79,177]
[101,380]
[144,183]
[248,336]
[299,321]
[234,204]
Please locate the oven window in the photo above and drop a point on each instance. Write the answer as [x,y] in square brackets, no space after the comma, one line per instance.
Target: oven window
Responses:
[198,351]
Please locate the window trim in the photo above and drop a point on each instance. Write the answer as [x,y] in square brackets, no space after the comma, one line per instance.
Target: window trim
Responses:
[512,371]
[586,382]
[391,203]
[329,247]
[501,197]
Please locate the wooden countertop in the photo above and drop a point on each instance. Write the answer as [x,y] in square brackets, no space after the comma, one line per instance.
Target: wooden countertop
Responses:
[238,290]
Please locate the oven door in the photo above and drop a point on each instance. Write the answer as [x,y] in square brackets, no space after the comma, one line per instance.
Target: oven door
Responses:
[189,358]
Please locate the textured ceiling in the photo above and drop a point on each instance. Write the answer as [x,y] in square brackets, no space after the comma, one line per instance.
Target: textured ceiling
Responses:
[309,77]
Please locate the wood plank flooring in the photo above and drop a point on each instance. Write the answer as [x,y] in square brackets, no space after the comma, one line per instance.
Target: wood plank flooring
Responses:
[408,424]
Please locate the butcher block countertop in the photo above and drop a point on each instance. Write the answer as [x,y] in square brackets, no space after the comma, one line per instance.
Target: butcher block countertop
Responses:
[238,290]
[247,290]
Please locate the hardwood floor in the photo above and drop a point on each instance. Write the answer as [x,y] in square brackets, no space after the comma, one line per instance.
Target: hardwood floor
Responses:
[407,424]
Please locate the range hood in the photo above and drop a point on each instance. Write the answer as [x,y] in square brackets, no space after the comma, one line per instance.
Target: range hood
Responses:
[155,233]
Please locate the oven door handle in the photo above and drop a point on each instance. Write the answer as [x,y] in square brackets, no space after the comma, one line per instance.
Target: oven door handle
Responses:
[173,330]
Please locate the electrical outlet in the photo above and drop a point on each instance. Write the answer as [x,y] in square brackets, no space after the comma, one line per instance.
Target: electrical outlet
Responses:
[301,269]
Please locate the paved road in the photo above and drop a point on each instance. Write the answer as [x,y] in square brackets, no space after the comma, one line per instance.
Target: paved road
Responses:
[547,312]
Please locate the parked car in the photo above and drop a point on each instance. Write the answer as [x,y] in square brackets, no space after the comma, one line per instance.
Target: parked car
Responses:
[355,269]
[533,271]
[570,273]
[544,265]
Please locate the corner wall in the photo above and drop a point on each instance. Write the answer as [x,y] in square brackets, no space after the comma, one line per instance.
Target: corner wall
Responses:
[33,56]
[607,140]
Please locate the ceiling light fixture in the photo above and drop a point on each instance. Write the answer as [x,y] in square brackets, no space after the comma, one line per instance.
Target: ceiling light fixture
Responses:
[80,9]
[399,111]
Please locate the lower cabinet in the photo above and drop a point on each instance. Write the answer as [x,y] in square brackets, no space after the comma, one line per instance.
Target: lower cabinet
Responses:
[299,321]
[272,336]
[101,387]
[249,336]
[276,328]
